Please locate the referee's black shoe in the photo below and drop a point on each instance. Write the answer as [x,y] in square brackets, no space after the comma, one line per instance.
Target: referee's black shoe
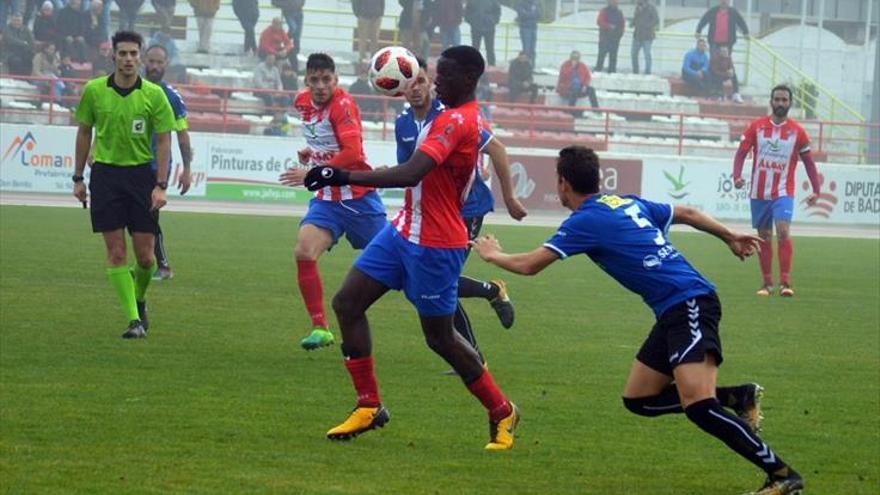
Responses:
[135,330]
[142,314]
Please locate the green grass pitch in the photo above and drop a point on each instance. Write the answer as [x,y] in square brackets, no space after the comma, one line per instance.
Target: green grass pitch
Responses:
[219,398]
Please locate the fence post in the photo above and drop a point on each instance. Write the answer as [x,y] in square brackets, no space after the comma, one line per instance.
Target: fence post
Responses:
[821,135]
[225,108]
[680,134]
[51,88]
[607,129]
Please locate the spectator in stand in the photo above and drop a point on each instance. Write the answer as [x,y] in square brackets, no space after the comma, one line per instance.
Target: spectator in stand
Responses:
[44,24]
[645,22]
[520,79]
[95,28]
[165,13]
[528,13]
[248,13]
[68,71]
[292,10]
[279,126]
[205,10]
[483,16]
[611,25]
[289,83]
[369,19]
[574,81]
[274,41]
[695,69]
[723,21]
[128,14]
[47,64]
[72,25]
[9,8]
[30,6]
[371,107]
[721,70]
[407,22]
[268,77]
[18,47]
[103,63]
[448,15]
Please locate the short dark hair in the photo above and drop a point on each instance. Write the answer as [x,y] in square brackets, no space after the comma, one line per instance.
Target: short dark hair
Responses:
[468,58]
[320,61]
[781,87]
[159,47]
[422,63]
[579,166]
[127,37]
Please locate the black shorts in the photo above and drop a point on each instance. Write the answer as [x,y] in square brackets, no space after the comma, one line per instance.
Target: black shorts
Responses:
[685,333]
[122,197]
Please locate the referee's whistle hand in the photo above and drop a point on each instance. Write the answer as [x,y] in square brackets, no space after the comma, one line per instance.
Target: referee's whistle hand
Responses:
[79,191]
[159,198]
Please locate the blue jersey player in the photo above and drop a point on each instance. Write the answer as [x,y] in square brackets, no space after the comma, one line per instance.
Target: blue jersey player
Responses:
[156,61]
[676,368]
[423,109]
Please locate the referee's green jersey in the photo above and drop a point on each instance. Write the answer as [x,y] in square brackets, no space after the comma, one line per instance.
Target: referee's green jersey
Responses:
[124,119]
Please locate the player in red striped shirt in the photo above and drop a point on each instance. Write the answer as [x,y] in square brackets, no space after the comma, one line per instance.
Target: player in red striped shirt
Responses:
[422,253]
[331,123]
[775,142]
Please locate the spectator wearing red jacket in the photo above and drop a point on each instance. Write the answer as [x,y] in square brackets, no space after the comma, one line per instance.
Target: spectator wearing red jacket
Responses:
[574,81]
[274,41]
[611,25]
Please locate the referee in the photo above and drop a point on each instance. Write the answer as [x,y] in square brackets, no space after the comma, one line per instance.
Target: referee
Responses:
[125,111]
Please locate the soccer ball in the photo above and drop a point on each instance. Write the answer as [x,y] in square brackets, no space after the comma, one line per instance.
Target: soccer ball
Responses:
[392,70]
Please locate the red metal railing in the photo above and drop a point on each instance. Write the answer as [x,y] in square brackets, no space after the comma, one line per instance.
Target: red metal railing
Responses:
[213,109]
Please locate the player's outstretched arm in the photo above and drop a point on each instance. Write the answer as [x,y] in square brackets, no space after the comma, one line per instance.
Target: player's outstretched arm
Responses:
[500,163]
[531,263]
[405,175]
[742,245]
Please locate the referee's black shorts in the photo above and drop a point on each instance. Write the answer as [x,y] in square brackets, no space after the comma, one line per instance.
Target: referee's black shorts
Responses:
[685,333]
[122,198]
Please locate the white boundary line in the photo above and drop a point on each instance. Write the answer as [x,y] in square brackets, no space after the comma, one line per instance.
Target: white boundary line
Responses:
[544,219]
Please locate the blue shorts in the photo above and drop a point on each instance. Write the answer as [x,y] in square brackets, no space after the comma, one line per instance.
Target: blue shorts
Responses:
[359,219]
[428,276]
[767,211]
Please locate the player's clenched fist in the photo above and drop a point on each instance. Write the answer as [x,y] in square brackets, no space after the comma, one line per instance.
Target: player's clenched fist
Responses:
[315,178]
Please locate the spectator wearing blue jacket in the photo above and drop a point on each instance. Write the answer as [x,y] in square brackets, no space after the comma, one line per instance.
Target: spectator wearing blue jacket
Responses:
[695,69]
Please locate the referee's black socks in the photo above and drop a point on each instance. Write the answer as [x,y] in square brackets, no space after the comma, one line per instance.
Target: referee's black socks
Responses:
[735,433]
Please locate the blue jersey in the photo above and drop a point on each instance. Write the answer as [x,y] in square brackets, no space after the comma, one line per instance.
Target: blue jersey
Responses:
[406,132]
[627,237]
[180,118]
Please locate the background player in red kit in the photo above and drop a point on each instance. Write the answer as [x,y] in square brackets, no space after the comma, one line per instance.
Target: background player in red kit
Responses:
[775,142]
[331,123]
[421,253]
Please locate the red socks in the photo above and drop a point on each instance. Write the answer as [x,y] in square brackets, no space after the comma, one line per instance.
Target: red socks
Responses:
[786,254]
[491,396]
[364,378]
[312,291]
[766,257]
